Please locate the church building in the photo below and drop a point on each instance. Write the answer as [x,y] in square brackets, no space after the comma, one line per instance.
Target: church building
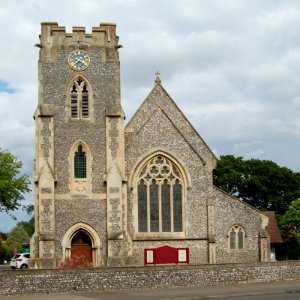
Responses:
[125,195]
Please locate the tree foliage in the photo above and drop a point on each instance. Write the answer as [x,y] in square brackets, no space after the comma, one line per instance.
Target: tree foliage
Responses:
[17,236]
[291,217]
[261,183]
[5,252]
[290,231]
[12,184]
[28,226]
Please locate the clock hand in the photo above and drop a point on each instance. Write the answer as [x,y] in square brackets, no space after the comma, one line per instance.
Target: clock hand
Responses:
[80,60]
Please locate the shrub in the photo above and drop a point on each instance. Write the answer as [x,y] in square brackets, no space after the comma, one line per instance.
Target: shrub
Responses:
[75,262]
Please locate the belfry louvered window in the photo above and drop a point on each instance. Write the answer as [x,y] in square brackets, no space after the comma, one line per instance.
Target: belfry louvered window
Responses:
[160,195]
[79,99]
[80,163]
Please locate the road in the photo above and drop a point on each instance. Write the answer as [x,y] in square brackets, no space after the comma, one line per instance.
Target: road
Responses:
[289,290]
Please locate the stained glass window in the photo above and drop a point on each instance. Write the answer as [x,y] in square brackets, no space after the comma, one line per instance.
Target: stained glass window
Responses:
[80,163]
[236,238]
[240,239]
[154,210]
[160,197]
[165,207]
[177,206]
[142,203]
[232,239]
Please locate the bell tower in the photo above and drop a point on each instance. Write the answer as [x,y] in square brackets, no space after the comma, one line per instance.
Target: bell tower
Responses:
[79,163]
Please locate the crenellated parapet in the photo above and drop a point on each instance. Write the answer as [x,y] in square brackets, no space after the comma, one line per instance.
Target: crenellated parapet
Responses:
[54,35]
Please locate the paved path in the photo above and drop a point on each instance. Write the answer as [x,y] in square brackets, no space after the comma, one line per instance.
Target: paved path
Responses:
[289,290]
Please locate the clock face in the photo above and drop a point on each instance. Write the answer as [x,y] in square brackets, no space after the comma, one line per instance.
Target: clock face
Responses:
[78,60]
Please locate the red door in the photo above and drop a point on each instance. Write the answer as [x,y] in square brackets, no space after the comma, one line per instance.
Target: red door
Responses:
[82,246]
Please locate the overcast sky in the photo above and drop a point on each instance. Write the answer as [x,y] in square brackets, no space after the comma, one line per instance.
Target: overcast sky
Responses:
[233,68]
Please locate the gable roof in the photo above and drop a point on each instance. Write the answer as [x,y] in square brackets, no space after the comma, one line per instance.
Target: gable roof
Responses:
[272,228]
[150,105]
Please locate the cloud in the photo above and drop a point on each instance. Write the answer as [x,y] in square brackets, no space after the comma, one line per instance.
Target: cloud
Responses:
[231,66]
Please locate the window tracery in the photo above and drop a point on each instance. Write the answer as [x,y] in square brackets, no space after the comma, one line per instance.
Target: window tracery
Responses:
[80,99]
[236,238]
[160,196]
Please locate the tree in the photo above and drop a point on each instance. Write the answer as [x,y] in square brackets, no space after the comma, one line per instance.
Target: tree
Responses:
[292,216]
[17,237]
[28,226]
[261,183]
[12,184]
[290,229]
[3,236]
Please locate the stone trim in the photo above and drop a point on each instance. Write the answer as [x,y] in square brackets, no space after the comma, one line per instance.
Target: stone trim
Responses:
[245,239]
[186,183]
[133,177]
[68,100]
[91,232]
[80,186]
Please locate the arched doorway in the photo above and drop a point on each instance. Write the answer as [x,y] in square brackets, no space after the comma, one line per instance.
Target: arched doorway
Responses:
[85,237]
[81,245]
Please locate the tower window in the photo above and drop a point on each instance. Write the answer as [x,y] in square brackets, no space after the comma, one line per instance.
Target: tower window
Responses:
[74,102]
[80,163]
[160,197]
[80,99]
[85,103]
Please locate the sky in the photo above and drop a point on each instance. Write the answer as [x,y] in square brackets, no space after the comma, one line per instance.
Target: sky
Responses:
[232,67]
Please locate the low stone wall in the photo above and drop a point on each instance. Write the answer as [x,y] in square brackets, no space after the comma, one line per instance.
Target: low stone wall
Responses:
[55,281]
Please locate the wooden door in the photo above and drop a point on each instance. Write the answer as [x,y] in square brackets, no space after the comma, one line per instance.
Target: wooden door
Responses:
[82,246]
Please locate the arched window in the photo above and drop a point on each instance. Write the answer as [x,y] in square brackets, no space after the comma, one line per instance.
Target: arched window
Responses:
[80,98]
[80,168]
[79,163]
[236,238]
[160,196]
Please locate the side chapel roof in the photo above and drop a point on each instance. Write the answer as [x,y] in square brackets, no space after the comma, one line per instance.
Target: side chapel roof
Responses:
[272,228]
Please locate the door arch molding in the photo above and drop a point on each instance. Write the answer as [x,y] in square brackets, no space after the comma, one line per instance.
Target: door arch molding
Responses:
[93,235]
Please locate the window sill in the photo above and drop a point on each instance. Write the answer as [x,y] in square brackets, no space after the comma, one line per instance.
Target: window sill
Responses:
[145,236]
[236,251]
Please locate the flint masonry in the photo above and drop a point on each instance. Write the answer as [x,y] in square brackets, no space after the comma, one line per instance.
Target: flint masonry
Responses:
[109,191]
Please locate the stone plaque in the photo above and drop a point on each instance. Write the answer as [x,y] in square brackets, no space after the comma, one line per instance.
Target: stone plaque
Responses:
[114,190]
[46,190]
[80,186]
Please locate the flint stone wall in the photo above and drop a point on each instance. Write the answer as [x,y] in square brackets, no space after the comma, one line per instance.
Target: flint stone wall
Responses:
[62,281]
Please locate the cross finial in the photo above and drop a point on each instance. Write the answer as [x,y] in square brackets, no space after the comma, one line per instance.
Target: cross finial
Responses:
[157,79]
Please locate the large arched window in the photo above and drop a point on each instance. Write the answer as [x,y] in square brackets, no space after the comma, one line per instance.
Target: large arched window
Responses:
[160,196]
[236,238]
[80,98]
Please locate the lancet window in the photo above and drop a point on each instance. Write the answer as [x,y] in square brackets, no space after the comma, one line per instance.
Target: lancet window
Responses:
[236,238]
[160,197]
[80,99]
[79,163]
